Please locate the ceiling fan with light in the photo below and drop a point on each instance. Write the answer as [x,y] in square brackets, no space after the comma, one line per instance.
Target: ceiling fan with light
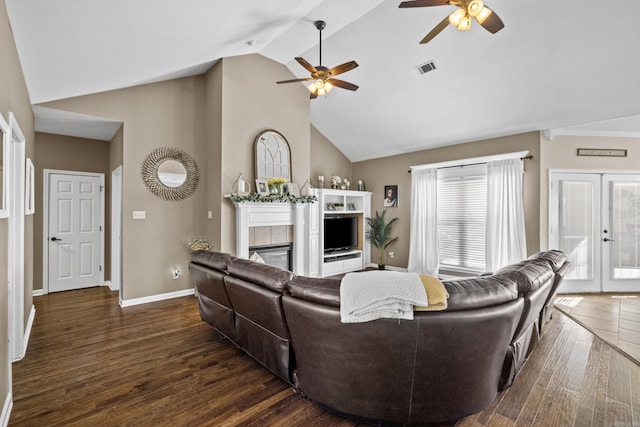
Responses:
[461,17]
[323,81]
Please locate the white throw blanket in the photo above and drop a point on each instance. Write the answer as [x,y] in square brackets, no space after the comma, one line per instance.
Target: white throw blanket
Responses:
[372,295]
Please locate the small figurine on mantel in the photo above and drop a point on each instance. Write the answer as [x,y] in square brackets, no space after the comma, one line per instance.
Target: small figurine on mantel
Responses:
[361,185]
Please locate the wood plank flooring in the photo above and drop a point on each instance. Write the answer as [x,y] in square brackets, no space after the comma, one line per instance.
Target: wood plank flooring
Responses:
[92,363]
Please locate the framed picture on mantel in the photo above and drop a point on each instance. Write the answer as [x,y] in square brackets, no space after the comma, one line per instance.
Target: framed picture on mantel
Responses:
[262,187]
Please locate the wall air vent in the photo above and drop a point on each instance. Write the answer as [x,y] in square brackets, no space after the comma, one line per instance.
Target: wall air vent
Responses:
[426,67]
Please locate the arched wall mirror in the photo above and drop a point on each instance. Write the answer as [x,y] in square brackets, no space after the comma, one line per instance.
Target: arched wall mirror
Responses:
[170,173]
[4,170]
[272,156]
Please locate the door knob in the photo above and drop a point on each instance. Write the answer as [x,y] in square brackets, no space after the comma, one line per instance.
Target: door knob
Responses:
[608,240]
[55,239]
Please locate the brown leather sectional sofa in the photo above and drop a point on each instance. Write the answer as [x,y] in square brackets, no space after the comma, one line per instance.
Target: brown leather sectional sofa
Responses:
[439,367]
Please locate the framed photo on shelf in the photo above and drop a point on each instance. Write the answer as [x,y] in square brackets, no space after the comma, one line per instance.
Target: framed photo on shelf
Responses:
[291,188]
[262,187]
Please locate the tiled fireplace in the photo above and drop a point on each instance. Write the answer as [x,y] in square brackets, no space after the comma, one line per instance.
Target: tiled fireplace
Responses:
[263,224]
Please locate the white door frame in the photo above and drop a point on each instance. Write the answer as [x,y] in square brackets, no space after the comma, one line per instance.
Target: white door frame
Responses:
[45,222]
[17,343]
[116,231]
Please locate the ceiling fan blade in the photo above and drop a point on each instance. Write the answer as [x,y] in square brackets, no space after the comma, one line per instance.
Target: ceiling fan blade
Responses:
[438,28]
[491,23]
[347,66]
[295,80]
[310,68]
[423,3]
[342,84]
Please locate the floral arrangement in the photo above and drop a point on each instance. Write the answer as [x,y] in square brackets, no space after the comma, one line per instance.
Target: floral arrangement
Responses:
[199,245]
[335,181]
[272,198]
[276,181]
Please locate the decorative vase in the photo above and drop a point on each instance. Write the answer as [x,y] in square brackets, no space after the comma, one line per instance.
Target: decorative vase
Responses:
[276,189]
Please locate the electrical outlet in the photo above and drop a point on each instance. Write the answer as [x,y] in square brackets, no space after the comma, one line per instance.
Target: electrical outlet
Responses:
[176,273]
[392,254]
[139,214]
[210,215]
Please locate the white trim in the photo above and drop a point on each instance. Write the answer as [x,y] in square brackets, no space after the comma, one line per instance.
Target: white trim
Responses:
[473,160]
[38,292]
[6,410]
[155,298]
[16,240]
[45,221]
[594,171]
[111,286]
[116,231]
[29,188]
[5,168]
[27,331]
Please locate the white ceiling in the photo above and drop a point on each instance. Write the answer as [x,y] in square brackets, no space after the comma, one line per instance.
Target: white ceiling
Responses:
[572,66]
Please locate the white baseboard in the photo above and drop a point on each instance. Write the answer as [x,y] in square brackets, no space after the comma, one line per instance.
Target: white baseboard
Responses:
[27,332]
[38,292]
[154,298]
[110,285]
[6,410]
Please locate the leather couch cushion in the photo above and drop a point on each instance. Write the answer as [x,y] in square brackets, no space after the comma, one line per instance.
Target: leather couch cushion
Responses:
[321,290]
[264,275]
[528,274]
[554,257]
[479,292]
[217,260]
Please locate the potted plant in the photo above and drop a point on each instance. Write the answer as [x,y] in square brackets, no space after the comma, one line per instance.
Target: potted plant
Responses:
[379,234]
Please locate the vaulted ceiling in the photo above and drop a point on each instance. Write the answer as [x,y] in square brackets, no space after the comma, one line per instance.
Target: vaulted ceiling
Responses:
[570,66]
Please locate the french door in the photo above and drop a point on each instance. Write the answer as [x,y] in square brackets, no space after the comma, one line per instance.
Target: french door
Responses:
[595,219]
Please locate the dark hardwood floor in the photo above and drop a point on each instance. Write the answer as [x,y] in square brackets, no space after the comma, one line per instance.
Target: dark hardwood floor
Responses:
[90,362]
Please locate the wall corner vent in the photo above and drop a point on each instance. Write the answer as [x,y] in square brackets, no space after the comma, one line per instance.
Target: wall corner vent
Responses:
[426,67]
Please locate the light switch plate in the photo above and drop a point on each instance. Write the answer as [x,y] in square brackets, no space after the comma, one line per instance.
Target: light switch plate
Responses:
[139,214]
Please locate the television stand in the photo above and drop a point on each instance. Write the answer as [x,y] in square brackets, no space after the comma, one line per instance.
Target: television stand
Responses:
[337,256]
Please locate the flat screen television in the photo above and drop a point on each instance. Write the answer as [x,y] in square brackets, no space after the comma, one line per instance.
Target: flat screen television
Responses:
[340,233]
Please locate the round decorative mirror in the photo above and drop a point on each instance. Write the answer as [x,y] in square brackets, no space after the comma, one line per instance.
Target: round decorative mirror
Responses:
[272,156]
[170,173]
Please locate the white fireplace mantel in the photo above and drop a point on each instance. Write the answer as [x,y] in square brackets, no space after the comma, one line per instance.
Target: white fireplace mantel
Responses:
[256,214]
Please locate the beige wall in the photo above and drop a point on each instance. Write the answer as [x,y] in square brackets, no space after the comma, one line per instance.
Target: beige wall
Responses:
[251,103]
[328,160]
[561,153]
[69,154]
[394,170]
[13,98]
[166,114]
[213,157]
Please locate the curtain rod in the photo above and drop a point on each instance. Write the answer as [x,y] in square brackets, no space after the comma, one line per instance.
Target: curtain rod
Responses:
[529,157]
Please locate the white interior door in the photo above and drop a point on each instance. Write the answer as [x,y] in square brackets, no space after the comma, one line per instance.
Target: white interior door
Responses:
[594,219]
[74,231]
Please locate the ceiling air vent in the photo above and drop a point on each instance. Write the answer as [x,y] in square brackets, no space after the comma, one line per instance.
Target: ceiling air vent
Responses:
[426,67]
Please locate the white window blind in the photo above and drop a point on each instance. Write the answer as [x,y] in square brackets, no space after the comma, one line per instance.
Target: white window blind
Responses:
[462,198]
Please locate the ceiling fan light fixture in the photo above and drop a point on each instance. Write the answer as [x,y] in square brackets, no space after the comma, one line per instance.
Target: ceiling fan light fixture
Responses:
[475,7]
[465,24]
[456,17]
[327,87]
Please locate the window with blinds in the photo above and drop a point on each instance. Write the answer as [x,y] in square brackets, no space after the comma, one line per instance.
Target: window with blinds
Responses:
[462,200]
